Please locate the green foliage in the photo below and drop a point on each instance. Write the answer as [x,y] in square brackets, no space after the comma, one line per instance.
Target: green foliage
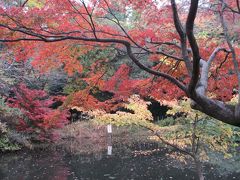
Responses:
[87,60]
[213,135]
[203,34]
[217,136]
[10,140]
[6,110]
[8,116]
[170,121]
[7,145]
[236,134]
[74,85]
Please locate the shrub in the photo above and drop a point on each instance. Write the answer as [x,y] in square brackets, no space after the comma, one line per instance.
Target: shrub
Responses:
[5,143]
[38,118]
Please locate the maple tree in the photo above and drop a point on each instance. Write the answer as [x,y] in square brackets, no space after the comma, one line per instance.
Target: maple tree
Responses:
[186,51]
[37,116]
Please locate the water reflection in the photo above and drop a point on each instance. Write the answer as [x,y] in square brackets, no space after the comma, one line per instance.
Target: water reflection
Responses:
[109,139]
[129,161]
[39,165]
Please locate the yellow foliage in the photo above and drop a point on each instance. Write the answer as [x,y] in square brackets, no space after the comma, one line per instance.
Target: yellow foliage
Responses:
[184,106]
[35,3]
[234,100]
[140,116]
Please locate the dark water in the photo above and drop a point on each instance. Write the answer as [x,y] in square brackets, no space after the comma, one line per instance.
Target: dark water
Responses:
[125,163]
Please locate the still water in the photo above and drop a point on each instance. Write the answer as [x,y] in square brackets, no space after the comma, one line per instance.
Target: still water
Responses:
[138,161]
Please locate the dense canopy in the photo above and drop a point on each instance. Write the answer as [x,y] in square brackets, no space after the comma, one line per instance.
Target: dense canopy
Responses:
[188,48]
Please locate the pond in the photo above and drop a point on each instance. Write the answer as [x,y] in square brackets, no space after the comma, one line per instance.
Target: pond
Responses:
[135,161]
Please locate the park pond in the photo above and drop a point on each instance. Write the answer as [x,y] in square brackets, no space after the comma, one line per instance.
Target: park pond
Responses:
[104,157]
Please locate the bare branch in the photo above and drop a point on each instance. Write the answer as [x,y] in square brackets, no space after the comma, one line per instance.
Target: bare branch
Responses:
[44,38]
[194,46]
[24,3]
[238,5]
[91,19]
[182,35]
[231,9]
[203,82]
[177,21]
[79,13]
[221,64]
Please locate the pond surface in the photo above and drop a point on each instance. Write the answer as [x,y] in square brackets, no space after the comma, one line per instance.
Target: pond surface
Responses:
[138,161]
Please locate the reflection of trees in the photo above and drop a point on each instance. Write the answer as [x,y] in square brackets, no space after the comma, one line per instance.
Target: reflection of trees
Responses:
[90,138]
[133,157]
[125,165]
[83,138]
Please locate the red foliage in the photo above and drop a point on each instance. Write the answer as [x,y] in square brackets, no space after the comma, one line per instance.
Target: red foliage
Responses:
[148,26]
[84,99]
[38,117]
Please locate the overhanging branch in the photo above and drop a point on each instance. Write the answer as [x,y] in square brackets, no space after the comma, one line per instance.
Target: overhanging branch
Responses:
[182,35]
[49,39]
[194,46]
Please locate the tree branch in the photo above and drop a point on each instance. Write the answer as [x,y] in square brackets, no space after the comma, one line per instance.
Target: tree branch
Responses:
[238,5]
[24,3]
[182,35]
[203,82]
[41,37]
[194,46]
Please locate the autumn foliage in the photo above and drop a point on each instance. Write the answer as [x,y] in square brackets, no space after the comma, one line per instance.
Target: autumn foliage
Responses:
[185,48]
[37,118]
